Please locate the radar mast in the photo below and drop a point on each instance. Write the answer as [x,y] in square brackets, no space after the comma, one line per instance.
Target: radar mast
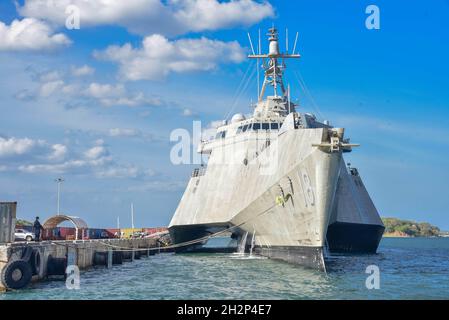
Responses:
[274,68]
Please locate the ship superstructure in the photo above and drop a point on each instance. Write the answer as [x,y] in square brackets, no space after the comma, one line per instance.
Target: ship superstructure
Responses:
[280,177]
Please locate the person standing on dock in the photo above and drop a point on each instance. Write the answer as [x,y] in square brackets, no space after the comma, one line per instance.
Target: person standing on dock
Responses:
[37,229]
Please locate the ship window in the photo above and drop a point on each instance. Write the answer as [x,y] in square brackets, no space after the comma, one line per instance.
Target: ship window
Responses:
[220,134]
[274,126]
[250,126]
[256,126]
[244,128]
[265,126]
[239,129]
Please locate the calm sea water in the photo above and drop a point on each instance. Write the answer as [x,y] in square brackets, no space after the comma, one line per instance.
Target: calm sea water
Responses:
[416,268]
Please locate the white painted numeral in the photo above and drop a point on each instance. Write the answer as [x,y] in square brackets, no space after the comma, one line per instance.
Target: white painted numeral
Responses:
[309,195]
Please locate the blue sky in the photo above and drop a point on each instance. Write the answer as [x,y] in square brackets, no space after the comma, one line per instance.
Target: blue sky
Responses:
[97,105]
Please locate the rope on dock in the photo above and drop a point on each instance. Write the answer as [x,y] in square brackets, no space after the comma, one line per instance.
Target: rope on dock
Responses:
[178,245]
[190,242]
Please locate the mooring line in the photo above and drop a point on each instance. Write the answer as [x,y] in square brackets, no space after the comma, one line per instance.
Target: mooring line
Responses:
[190,242]
[182,244]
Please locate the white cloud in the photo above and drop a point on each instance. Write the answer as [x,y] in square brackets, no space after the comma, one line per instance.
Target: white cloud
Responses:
[53,168]
[59,152]
[123,132]
[158,185]
[26,149]
[172,17]
[18,146]
[48,88]
[97,90]
[96,152]
[25,95]
[71,89]
[187,112]
[52,84]
[95,161]
[199,15]
[30,34]
[105,169]
[83,71]
[50,76]
[119,172]
[159,56]
[117,95]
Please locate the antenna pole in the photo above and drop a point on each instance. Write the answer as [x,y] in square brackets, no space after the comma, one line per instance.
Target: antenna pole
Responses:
[251,43]
[273,70]
[258,71]
[296,40]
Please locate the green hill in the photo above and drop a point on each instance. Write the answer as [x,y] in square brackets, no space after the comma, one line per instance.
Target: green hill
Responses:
[406,228]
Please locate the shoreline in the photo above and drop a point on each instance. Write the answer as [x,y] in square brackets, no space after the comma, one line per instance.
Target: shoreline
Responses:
[392,235]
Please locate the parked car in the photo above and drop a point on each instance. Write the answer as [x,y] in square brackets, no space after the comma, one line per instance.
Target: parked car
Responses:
[138,235]
[23,235]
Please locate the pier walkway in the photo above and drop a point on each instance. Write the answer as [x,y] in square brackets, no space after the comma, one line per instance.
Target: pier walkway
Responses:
[25,262]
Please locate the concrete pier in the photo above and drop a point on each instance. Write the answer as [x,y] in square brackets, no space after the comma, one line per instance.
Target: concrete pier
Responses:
[49,258]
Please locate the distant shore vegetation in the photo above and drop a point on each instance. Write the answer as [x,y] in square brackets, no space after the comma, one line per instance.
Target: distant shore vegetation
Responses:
[22,222]
[395,227]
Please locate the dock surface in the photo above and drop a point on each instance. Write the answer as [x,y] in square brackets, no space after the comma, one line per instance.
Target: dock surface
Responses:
[25,262]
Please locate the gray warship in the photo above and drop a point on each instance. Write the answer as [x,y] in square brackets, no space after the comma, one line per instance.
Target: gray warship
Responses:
[277,181]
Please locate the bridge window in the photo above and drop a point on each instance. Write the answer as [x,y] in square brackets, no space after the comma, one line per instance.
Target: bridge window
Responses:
[265,126]
[256,126]
[274,126]
[220,135]
[244,128]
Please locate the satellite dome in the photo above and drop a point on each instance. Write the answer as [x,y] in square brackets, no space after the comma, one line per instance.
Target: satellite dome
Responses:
[237,117]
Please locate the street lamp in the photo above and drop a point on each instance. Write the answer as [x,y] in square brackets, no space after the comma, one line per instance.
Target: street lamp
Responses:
[59,181]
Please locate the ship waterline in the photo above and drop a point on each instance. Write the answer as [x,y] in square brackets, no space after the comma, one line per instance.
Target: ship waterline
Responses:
[279,176]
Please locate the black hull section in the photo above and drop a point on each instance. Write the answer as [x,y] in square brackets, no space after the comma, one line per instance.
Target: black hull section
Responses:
[311,257]
[343,237]
[185,233]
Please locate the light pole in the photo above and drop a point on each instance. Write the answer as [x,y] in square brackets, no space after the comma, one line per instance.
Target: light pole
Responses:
[132,216]
[59,181]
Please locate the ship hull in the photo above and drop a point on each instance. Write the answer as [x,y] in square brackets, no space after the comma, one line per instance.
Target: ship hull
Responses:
[354,238]
[302,255]
[195,233]
[288,212]
[311,257]
[355,226]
